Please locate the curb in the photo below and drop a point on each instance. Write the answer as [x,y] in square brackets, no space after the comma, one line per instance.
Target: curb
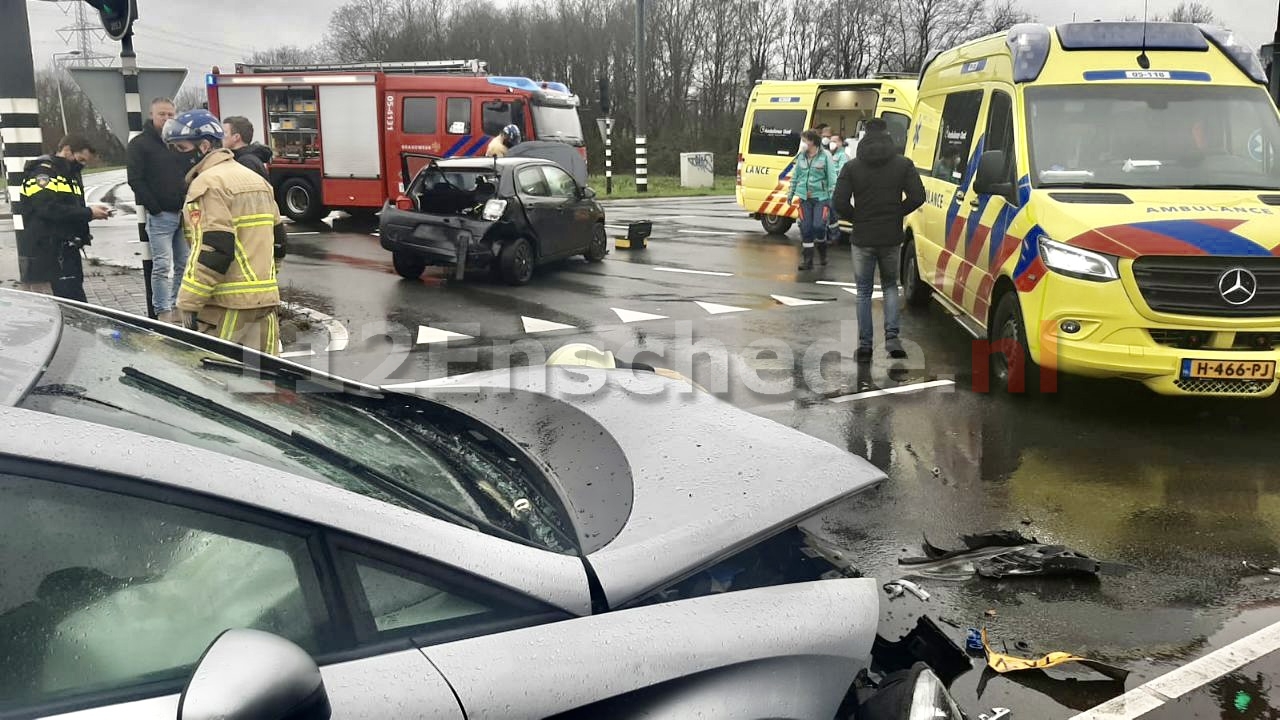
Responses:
[338,335]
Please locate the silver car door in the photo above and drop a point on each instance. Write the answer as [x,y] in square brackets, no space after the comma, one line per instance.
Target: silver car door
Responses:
[787,651]
[400,685]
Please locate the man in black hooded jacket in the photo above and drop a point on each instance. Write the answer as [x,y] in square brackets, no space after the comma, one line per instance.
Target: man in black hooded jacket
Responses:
[239,140]
[875,192]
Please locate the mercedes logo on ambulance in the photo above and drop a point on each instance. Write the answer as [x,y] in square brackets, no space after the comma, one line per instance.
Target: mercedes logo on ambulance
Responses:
[1238,286]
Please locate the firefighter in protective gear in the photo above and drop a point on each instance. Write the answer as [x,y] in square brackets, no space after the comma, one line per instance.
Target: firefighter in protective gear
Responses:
[507,139]
[229,288]
[57,221]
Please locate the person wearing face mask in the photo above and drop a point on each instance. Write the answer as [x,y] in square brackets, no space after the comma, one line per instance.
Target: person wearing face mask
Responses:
[813,176]
[229,288]
[835,146]
[57,221]
[157,178]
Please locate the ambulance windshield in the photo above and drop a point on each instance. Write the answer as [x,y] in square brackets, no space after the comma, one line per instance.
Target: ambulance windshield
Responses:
[1142,135]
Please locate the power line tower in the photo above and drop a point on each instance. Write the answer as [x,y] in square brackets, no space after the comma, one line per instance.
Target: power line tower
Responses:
[82,35]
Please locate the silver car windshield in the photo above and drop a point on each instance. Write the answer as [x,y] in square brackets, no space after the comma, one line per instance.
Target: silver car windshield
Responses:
[1143,135]
[390,448]
[557,123]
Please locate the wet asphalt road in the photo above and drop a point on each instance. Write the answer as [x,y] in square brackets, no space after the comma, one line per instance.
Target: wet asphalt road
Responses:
[1173,495]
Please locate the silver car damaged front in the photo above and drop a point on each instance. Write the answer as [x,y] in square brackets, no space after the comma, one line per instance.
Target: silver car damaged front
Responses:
[788,651]
[710,480]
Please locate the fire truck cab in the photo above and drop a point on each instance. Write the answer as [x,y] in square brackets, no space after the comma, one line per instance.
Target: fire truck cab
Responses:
[337,132]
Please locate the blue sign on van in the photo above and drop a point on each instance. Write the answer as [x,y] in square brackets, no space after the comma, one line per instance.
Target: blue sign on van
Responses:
[1180,75]
[973,67]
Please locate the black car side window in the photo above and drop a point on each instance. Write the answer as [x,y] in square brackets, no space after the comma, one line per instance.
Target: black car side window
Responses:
[560,182]
[532,182]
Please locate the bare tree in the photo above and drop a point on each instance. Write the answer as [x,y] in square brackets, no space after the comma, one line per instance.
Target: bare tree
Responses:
[1004,14]
[1193,12]
[191,97]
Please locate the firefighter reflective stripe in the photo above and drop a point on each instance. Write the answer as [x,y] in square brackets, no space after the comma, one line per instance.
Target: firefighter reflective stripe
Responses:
[229,321]
[191,284]
[244,288]
[264,220]
[249,221]
[242,259]
[273,333]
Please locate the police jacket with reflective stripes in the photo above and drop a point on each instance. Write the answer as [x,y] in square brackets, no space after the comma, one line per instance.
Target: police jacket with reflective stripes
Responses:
[236,236]
[53,212]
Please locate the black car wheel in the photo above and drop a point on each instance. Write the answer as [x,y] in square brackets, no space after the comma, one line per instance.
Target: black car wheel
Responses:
[409,265]
[599,246]
[299,201]
[776,224]
[1011,363]
[917,291]
[517,262]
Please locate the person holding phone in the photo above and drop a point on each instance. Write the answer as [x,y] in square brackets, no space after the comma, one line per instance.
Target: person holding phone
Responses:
[57,220]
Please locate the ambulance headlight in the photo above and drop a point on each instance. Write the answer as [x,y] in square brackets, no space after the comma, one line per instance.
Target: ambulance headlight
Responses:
[1077,262]
[493,209]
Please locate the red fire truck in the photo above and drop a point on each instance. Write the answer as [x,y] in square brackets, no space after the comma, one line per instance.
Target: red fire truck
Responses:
[338,131]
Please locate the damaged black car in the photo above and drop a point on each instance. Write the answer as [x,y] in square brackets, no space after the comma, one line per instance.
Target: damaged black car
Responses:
[508,215]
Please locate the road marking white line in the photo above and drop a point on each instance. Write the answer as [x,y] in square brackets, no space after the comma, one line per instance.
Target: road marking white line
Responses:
[630,316]
[1195,674]
[796,302]
[309,232]
[693,272]
[900,390]
[298,353]
[534,325]
[837,283]
[875,294]
[717,309]
[376,234]
[429,335]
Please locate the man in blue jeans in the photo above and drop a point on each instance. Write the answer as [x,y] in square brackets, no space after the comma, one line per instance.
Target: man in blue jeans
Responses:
[875,192]
[159,181]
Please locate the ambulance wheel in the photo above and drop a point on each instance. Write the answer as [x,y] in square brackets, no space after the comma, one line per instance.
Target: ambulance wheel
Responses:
[915,290]
[300,201]
[776,224]
[516,260]
[409,265]
[1013,372]
[599,246]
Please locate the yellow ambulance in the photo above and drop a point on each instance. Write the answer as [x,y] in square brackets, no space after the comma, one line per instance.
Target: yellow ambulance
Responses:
[778,111]
[1103,200]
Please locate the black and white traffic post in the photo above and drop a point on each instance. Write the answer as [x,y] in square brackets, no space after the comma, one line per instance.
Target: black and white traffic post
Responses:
[608,135]
[19,112]
[642,155]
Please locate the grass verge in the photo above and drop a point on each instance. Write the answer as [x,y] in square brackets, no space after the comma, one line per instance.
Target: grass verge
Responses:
[624,186]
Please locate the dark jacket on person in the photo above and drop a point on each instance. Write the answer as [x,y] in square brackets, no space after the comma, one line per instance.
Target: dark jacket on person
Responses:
[877,190]
[55,218]
[157,175]
[255,156]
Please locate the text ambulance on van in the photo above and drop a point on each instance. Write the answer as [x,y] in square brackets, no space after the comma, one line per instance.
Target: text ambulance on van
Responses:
[778,111]
[1103,207]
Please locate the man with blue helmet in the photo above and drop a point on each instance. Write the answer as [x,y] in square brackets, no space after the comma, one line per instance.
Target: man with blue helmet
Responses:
[507,139]
[229,289]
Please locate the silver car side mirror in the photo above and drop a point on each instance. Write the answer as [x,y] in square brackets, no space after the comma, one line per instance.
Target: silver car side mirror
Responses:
[247,674]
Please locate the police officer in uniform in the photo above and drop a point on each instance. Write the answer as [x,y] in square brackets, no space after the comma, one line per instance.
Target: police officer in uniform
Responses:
[229,287]
[57,220]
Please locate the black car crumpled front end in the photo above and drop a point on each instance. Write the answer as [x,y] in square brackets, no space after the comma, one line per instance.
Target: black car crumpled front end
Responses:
[440,239]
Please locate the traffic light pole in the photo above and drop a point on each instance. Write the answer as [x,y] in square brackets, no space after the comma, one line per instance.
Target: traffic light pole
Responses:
[133,109]
[19,113]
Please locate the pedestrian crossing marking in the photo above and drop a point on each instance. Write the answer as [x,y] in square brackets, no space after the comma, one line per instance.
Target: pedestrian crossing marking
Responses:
[429,335]
[534,325]
[796,302]
[717,309]
[876,295]
[630,316]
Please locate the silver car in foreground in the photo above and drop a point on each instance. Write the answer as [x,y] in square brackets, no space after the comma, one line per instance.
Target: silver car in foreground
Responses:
[465,552]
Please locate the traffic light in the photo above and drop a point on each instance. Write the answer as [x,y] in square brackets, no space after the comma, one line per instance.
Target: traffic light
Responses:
[117,16]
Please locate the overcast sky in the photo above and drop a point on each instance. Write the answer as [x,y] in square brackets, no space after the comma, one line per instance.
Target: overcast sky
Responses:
[199,35]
